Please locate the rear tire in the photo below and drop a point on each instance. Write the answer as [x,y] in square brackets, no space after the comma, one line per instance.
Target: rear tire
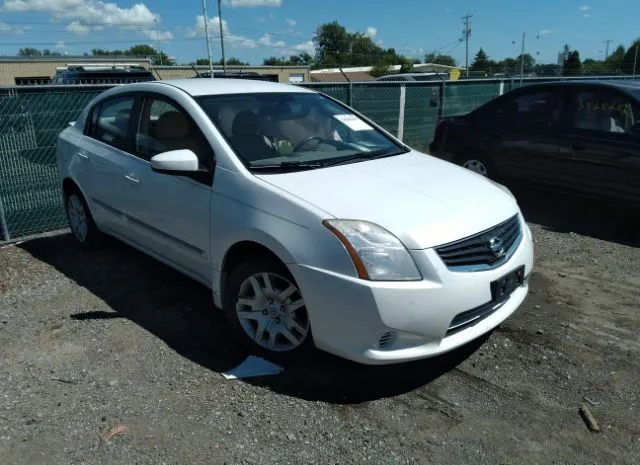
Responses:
[266,310]
[83,227]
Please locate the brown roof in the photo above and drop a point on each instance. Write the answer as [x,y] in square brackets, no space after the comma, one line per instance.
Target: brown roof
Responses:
[339,77]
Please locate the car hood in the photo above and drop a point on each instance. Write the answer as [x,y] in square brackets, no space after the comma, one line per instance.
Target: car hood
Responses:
[424,201]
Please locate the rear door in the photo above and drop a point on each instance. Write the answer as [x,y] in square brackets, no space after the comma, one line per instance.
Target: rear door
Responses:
[104,154]
[523,139]
[605,144]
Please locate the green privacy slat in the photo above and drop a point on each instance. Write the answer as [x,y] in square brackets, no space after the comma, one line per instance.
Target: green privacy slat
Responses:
[31,117]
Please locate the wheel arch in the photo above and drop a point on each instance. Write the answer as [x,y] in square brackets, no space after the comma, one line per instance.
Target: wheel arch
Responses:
[250,246]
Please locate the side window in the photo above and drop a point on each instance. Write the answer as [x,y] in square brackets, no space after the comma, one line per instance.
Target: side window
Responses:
[534,109]
[605,112]
[112,119]
[164,126]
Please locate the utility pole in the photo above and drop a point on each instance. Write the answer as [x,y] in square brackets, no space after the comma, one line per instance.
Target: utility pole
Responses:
[206,33]
[606,53]
[635,61]
[224,61]
[155,20]
[522,58]
[466,34]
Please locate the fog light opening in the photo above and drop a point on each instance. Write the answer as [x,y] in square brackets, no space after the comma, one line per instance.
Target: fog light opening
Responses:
[386,339]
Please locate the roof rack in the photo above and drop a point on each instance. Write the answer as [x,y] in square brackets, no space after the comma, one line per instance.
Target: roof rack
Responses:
[101,67]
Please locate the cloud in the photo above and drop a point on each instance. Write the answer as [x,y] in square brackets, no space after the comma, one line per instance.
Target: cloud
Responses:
[76,27]
[266,41]
[250,3]
[584,7]
[6,28]
[305,47]
[544,32]
[371,31]
[291,22]
[214,30]
[60,45]
[587,16]
[161,35]
[87,16]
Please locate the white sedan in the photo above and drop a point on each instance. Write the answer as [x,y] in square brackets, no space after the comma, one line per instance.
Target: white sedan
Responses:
[312,225]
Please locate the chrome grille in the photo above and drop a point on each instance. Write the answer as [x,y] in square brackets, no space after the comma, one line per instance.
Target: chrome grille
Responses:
[485,250]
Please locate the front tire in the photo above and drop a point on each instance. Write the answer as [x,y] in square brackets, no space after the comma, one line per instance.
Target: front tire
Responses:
[266,310]
[83,227]
[478,164]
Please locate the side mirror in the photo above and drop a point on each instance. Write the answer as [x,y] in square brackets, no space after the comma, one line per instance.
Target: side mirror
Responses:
[181,161]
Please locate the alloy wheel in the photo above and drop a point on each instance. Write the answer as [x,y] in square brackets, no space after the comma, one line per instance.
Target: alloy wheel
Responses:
[272,312]
[77,215]
[476,166]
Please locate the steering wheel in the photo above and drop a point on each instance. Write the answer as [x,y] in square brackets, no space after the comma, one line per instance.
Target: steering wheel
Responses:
[301,144]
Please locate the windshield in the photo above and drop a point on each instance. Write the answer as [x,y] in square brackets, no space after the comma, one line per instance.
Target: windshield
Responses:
[304,128]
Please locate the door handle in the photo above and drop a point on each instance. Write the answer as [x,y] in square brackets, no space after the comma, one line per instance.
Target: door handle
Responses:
[132,178]
[83,155]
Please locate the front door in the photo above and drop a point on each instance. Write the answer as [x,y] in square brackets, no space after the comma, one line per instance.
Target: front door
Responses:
[603,136]
[523,137]
[172,212]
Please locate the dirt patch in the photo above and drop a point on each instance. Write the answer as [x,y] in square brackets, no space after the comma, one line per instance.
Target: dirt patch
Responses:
[110,357]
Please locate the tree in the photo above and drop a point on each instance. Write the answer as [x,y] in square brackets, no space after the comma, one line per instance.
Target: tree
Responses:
[480,62]
[614,61]
[629,59]
[140,50]
[528,63]
[232,61]
[304,59]
[572,65]
[336,47]
[439,59]
[381,68]
[29,52]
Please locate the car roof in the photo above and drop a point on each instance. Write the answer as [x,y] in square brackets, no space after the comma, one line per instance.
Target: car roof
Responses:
[625,85]
[221,86]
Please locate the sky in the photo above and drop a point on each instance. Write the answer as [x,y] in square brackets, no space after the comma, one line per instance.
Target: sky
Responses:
[256,29]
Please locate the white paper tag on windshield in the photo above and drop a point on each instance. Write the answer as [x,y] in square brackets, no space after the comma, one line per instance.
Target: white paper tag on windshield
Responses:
[353,122]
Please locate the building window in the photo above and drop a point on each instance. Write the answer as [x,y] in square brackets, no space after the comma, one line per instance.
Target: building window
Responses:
[296,78]
[33,80]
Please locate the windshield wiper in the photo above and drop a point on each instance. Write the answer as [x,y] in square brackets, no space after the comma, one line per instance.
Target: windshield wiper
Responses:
[287,166]
[364,156]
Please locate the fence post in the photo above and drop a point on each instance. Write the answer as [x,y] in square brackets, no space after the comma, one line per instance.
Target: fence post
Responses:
[4,230]
[351,94]
[501,87]
[403,98]
[443,99]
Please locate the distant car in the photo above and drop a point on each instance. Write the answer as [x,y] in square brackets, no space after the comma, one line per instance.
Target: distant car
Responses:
[414,77]
[102,75]
[577,136]
[237,75]
[310,223]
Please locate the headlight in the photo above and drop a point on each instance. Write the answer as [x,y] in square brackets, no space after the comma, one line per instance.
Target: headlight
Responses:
[377,254]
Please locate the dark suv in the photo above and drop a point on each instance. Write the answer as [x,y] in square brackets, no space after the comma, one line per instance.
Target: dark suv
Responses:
[102,75]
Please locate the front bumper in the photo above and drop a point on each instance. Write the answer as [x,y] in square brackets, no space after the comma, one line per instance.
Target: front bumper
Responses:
[350,317]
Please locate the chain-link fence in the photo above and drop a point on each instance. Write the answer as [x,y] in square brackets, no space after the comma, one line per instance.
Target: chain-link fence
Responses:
[31,117]
[30,120]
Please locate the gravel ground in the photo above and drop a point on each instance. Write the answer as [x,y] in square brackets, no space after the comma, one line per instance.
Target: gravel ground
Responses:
[93,341]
